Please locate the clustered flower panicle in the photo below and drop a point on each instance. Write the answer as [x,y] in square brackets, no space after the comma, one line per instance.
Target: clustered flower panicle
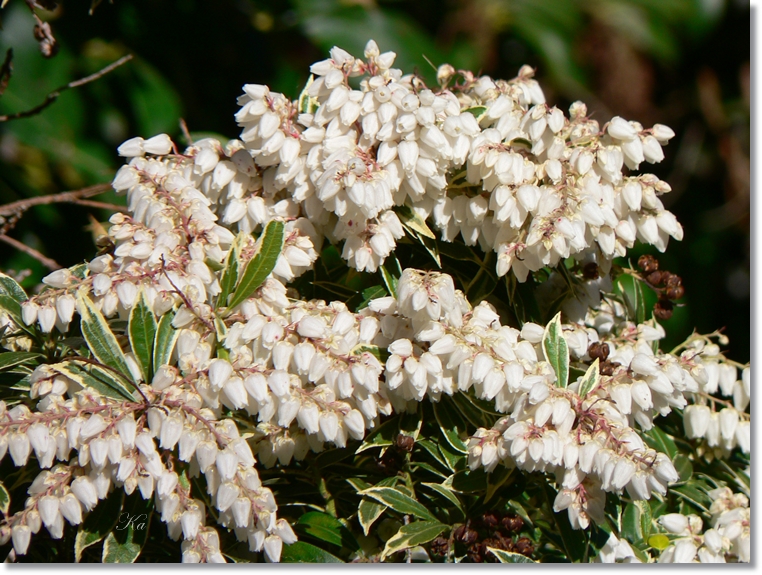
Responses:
[484,159]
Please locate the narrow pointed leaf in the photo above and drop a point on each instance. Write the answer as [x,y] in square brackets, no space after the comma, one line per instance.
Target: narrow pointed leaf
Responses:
[557,350]
[13,358]
[369,510]
[229,277]
[98,523]
[302,552]
[262,264]
[100,339]
[590,380]
[5,500]
[142,331]
[413,534]
[166,336]
[126,540]
[326,528]
[389,281]
[394,499]
[509,556]
[10,287]
[103,380]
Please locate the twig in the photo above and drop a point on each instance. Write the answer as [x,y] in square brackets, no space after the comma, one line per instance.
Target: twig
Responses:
[46,261]
[23,205]
[101,205]
[53,96]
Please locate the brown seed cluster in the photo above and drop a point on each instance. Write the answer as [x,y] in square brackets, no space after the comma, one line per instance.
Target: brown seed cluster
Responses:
[492,529]
[669,286]
[600,351]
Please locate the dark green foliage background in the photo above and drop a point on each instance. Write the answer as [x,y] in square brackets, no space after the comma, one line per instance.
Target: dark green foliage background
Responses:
[670,62]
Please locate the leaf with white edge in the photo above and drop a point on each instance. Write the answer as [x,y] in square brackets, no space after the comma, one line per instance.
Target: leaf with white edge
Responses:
[126,540]
[656,439]
[166,336]
[450,496]
[411,219]
[557,350]
[368,510]
[142,332]
[101,379]
[13,308]
[10,287]
[380,353]
[5,500]
[98,523]
[389,281]
[14,358]
[509,556]
[100,339]
[451,424]
[477,111]
[307,104]
[229,277]
[413,534]
[383,436]
[590,380]
[394,499]
[262,264]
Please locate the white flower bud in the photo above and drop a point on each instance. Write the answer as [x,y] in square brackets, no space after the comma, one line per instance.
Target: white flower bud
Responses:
[131,148]
[220,371]
[158,145]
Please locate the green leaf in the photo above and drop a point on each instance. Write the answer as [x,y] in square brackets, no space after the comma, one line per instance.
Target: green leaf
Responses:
[368,510]
[660,541]
[326,528]
[13,309]
[694,496]
[590,380]
[98,523]
[458,251]
[637,521]
[166,336]
[450,496]
[301,552]
[389,281]
[262,264]
[383,436]
[660,441]
[100,339]
[229,276]
[13,358]
[142,331]
[557,350]
[380,353]
[683,466]
[509,556]
[468,481]
[371,293]
[477,111]
[103,380]
[412,534]
[451,425]
[9,287]
[5,500]
[412,220]
[126,540]
[398,501]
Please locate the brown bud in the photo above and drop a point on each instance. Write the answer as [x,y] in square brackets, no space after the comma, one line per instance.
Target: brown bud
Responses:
[598,350]
[590,271]
[476,553]
[675,292]
[465,534]
[655,277]
[512,523]
[607,367]
[405,443]
[673,281]
[663,309]
[524,546]
[490,519]
[439,546]
[648,263]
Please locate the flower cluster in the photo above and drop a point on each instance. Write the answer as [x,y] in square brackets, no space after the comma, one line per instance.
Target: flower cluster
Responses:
[728,538]
[485,159]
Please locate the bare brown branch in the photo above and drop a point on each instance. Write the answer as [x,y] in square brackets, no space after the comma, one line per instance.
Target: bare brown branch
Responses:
[44,260]
[64,197]
[53,96]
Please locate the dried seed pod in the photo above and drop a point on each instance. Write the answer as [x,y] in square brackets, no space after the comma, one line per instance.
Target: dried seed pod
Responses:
[439,547]
[490,519]
[405,443]
[648,263]
[598,350]
[663,309]
[513,523]
[655,278]
[674,292]
[523,546]
[607,367]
